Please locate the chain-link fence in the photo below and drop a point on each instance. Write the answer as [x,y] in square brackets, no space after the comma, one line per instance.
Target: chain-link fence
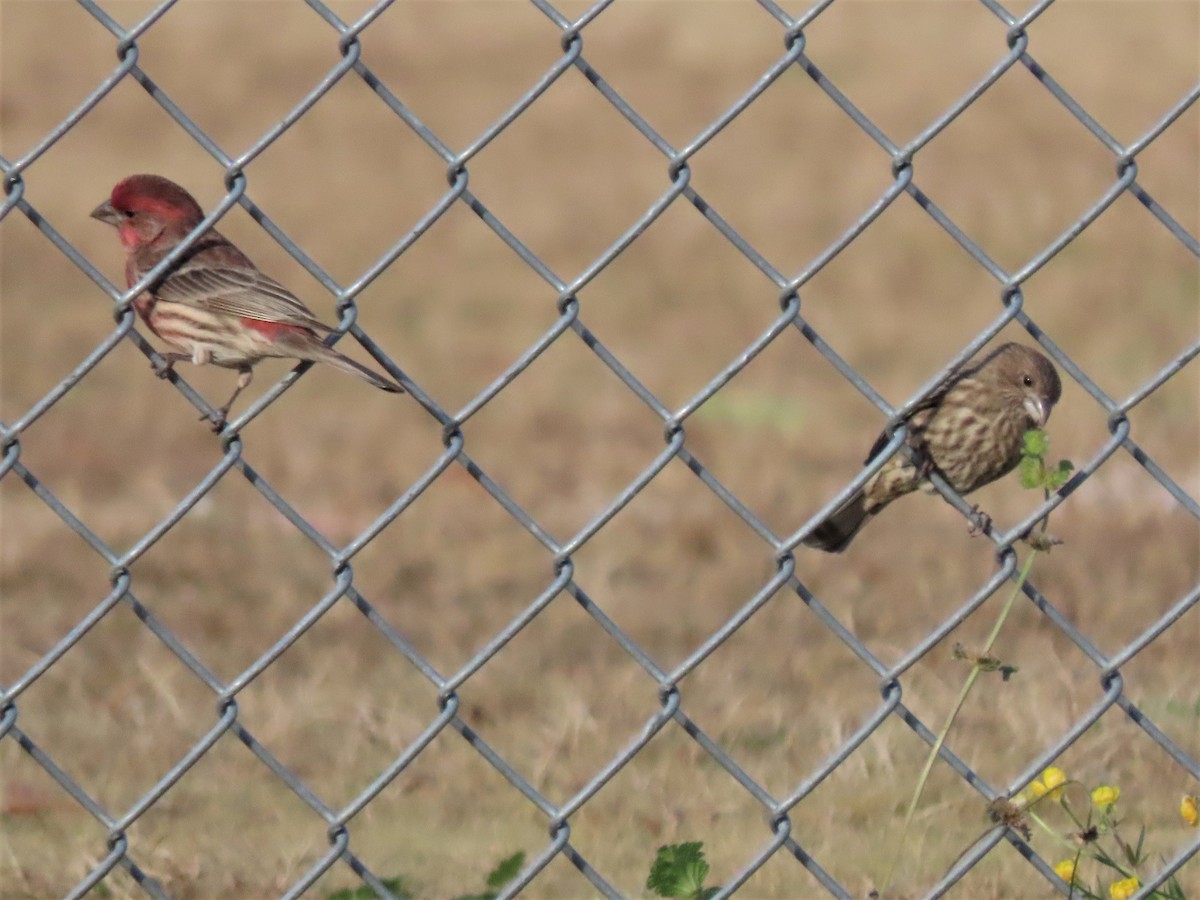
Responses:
[787,831]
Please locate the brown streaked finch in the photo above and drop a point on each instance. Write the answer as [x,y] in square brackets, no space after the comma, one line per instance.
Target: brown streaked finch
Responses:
[214,305]
[970,430]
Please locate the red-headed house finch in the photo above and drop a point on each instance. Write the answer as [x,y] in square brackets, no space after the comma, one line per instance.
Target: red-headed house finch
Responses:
[970,430]
[214,305]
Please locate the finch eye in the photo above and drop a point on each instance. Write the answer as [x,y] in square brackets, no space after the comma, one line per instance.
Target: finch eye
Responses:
[1027,381]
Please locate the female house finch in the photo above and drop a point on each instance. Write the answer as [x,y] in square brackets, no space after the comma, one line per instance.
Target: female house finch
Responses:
[214,305]
[970,430]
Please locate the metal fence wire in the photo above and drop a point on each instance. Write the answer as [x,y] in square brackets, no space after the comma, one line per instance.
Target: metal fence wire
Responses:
[780,839]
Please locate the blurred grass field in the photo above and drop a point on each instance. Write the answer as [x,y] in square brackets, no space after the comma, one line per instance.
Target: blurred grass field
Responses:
[562,699]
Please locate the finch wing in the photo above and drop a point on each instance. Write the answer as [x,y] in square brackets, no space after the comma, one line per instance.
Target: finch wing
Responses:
[920,415]
[917,420]
[237,291]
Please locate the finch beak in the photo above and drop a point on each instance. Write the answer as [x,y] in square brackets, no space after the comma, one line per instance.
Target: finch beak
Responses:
[105,213]
[1036,409]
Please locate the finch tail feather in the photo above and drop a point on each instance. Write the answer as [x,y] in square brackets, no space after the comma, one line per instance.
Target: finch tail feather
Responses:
[346,364]
[836,532]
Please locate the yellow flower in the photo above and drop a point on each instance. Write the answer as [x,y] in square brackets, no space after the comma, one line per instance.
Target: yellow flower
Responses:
[1066,870]
[1188,809]
[1052,781]
[1105,796]
[1124,889]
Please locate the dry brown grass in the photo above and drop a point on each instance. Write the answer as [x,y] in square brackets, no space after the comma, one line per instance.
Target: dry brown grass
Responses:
[562,699]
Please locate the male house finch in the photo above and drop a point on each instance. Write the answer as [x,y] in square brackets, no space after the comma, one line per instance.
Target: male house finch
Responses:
[970,430]
[214,305]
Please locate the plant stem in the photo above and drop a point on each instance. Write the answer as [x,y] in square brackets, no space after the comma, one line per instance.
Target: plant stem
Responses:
[954,711]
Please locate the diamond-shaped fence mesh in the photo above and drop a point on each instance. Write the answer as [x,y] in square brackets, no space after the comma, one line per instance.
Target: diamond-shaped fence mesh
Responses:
[636,266]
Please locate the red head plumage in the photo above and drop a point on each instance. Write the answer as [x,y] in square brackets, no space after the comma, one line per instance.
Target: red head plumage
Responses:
[158,196]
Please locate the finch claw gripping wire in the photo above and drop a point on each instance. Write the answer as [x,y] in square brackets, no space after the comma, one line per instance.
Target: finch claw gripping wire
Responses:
[980,521]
